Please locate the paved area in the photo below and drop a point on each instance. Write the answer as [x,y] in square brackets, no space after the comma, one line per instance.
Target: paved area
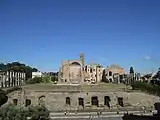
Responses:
[94,115]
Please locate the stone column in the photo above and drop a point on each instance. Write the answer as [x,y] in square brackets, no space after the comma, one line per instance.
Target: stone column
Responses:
[7,79]
[4,79]
[16,78]
[11,80]
[20,76]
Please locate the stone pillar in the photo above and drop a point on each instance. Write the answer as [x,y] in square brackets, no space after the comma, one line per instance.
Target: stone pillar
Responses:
[15,78]
[11,80]
[7,79]
[18,81]
[4,79]
[24,78]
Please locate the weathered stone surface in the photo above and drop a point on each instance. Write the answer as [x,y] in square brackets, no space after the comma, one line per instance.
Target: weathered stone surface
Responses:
[56,100]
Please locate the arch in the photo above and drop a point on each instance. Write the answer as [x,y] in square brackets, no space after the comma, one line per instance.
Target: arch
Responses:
[15,101]
[75,64]
[110,73]
[81,102]
[68,101]
[110,80]
[107,101]
[94,101]
[28,102]
[120,101]
[42,100]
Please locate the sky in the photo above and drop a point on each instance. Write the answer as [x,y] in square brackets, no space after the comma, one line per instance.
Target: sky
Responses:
[42,33]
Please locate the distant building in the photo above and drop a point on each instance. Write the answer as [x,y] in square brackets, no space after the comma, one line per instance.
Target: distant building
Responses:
[74,71]
[115,73]
[137,77]
[36,74]
[93,73]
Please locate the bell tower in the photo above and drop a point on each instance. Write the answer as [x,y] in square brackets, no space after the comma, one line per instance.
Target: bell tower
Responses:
[82,58]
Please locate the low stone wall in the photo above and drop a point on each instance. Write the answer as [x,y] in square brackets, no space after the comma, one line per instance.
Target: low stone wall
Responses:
[56,100]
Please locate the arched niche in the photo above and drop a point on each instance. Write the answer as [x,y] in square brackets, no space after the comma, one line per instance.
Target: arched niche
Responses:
[42,100]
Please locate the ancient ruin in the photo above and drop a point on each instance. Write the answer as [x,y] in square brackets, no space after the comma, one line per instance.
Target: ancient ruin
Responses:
[11,78]
[82,97]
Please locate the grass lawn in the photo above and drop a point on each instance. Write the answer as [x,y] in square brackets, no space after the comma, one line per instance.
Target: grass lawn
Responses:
[48,86]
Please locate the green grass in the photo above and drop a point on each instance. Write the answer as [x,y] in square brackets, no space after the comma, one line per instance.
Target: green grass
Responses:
[54,87]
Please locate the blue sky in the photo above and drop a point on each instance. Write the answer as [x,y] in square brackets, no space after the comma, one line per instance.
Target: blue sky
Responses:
[42,33]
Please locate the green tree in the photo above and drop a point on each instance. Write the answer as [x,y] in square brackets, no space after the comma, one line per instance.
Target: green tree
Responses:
[35,80]
[3,97]
[34,70]
[38,112]
[19,67]
[104,79]
[46,79]
[54,79]
[2,66]
[131,71]
[13,112]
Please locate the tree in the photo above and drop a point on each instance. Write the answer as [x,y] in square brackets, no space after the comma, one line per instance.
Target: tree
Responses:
[13,112]
[104,79]
[38,112]
[131,71]
[35,80]
[2,66]
[43,79]
[3,94]
[3,97]
[34,70]
[18,67]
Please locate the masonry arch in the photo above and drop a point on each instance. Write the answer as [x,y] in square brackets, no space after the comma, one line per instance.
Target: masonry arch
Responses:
[107,101]
[75,64]
[27,102]
[15,101]
[81,101]
[68,101]
[110,73]
[94,101]
[42,100]
[120,101]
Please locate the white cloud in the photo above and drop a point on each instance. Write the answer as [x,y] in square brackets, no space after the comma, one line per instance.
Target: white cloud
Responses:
[147,57]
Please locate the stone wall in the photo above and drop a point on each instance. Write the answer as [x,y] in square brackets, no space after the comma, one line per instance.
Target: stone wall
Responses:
[56,101]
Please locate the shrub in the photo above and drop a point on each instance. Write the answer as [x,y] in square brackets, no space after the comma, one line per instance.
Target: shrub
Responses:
[146,87]
[13,112]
